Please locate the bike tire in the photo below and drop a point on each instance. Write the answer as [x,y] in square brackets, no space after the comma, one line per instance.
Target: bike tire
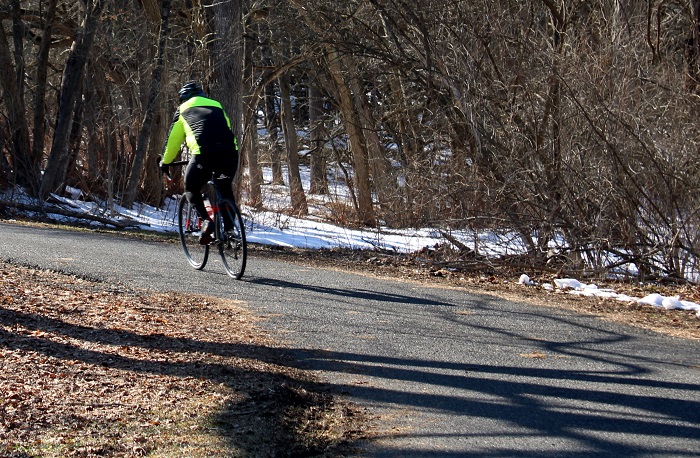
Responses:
[190,229]
[232,244]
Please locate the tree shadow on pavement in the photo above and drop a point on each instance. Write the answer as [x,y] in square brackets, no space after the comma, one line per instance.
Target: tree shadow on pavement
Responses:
[517,387]
[350,293]
[552,383]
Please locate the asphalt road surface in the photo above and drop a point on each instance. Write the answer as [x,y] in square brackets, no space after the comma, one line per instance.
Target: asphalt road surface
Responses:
[446,373]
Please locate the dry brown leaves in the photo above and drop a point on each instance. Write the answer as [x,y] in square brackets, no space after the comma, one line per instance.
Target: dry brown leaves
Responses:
[90,369]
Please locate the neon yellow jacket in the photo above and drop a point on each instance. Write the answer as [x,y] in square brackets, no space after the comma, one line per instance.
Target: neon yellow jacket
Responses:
[201,123]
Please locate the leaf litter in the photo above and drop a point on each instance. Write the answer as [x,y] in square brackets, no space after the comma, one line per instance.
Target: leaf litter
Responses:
[95,369]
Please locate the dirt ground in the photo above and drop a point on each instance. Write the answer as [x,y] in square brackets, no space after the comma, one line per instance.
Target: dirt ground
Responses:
[94,369]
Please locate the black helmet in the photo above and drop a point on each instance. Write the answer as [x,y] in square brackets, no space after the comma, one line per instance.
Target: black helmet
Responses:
[189,90]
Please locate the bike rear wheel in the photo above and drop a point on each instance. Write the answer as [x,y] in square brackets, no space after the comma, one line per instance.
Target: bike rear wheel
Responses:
[190,229]
[231,241]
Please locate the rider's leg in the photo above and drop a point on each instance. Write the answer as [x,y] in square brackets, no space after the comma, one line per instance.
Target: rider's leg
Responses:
[225,185]
[225,170]
[196,176]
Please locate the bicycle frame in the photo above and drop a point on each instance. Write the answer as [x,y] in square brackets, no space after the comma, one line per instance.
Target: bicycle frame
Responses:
[230,241]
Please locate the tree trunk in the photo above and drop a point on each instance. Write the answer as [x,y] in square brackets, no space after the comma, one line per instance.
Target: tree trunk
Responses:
[41,77]
[290,140]
[379,170]
[255,175]
[250,146]
[110,146]
[365,210]
[272,122]
[72,78]
[226,54]
[144,134]
[152,179]
[18,34]
[25,170]
[273,128]
[75,137]
[319,180]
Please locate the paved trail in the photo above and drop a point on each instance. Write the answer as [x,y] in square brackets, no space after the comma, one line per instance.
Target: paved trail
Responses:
[448,373]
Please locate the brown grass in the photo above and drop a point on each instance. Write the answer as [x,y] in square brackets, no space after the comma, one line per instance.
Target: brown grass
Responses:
[93,369]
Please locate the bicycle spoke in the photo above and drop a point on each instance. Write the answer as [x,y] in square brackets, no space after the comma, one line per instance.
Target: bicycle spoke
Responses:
[189,228]
[232,245]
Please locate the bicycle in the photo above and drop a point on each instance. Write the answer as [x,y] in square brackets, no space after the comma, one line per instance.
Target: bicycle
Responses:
[230,241]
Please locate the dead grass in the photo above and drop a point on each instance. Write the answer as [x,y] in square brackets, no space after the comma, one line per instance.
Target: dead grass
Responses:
[92,369]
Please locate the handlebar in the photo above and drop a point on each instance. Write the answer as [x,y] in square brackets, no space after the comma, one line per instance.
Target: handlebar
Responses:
[167,175]
[175,163]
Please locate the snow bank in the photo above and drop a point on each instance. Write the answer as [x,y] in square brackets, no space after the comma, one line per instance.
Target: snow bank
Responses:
[573,286]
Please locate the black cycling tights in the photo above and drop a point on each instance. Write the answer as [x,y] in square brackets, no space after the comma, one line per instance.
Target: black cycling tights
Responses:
[199,171]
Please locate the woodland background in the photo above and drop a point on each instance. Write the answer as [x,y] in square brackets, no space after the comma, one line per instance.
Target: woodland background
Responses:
[572,124]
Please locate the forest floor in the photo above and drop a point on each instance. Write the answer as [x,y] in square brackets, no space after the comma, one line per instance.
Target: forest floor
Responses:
[96,369]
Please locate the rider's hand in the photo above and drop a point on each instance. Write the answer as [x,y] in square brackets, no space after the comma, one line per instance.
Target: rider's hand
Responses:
[165,168]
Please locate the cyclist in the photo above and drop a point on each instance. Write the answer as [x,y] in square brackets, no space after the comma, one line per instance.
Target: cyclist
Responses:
[204,126]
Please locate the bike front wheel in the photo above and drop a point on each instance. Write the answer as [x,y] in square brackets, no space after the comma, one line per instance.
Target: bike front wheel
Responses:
[232,243]
[190,229]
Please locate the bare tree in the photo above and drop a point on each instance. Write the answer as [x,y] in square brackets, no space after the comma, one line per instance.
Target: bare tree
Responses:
[319,180]
[41,83]
[299,205]
[226,58]
[72,79]
[144,133]
[12,84]
[250,144]
[571,127]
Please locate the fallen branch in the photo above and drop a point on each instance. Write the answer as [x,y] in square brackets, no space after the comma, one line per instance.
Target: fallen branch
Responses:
[462,247]
[61,211]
